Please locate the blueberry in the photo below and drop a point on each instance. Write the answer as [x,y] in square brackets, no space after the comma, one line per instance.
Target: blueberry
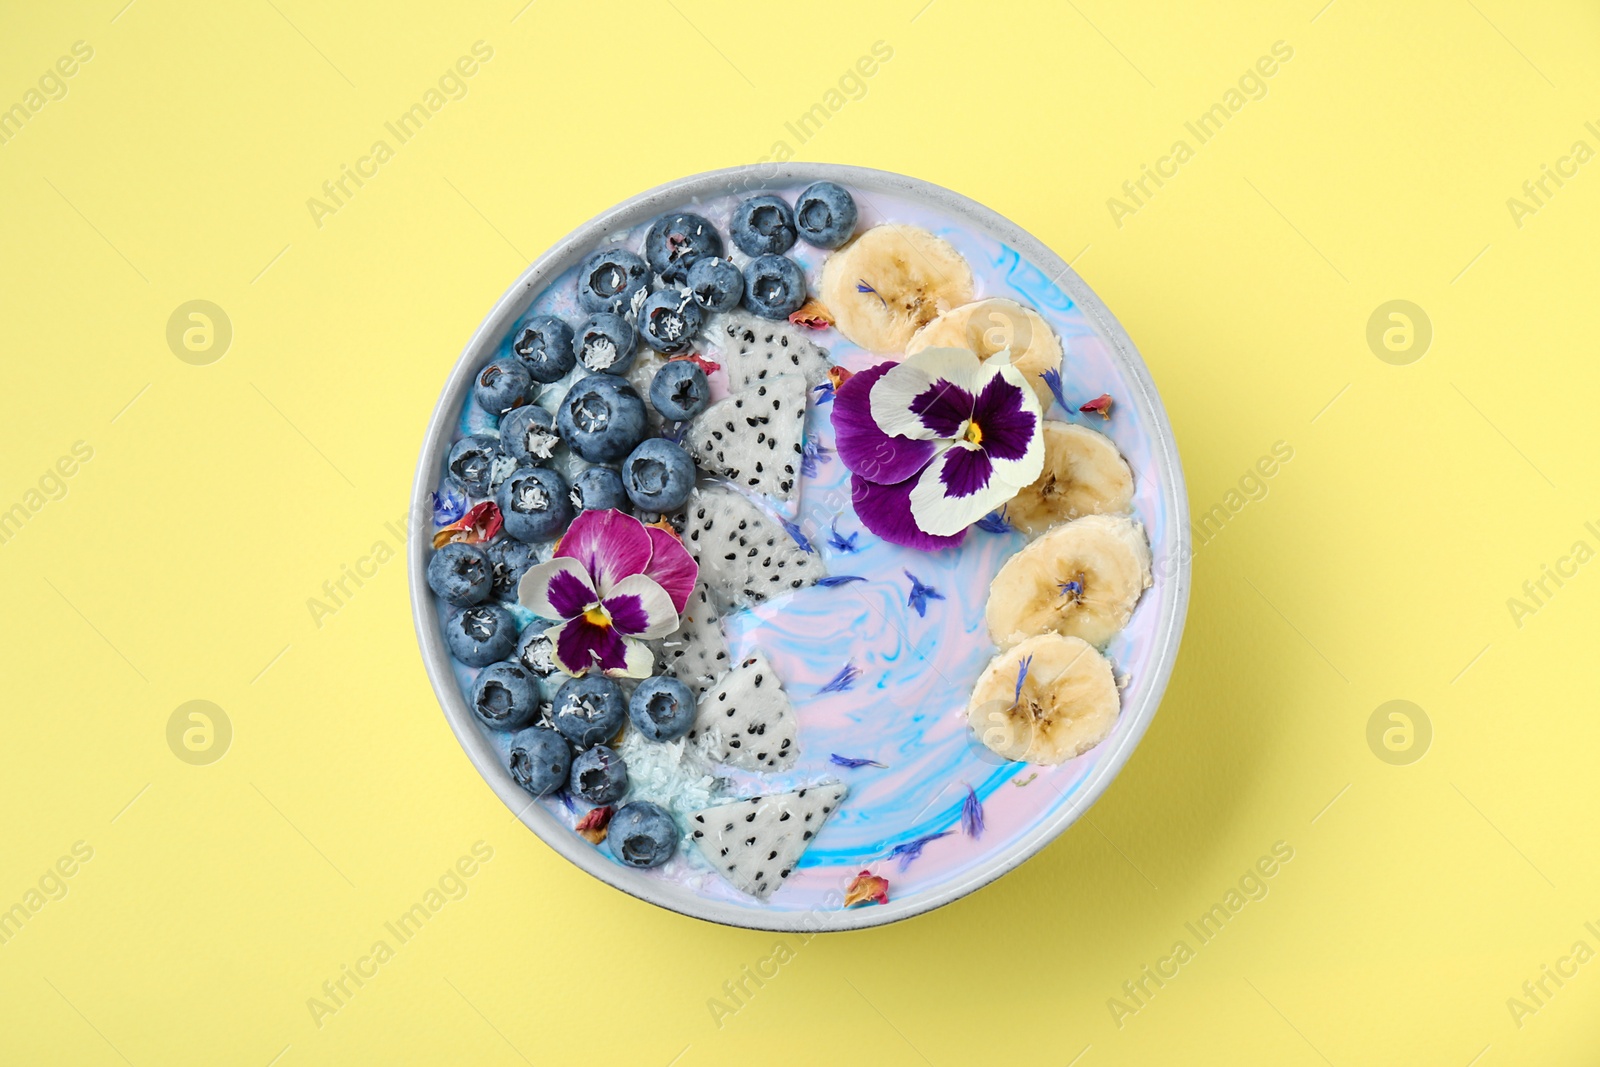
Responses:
[658,475]
[481,635]
[589,710]
[510,559]
[598,489]
[662,708]
[472,463]
[762,225]
[716,284]
[825,214]
[534,503]
[528,434]
[502,385]
[505,696]
[642,834]
[601,418]
[774,287]
[461,574]
[536,652]
[540,760]
[675,242]
[669,320]
[606,343]
[680,390]
[544,345]
[611,279]
[599,776]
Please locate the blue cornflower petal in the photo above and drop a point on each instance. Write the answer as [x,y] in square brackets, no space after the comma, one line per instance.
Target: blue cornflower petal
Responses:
[843,681]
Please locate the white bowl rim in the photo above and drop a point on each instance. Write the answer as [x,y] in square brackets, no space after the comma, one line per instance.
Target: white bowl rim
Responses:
[1145,403]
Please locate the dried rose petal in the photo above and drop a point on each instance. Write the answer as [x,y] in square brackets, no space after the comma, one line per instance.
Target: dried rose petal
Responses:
[665,523]
[700,361]
[1101,405]
[481,523]
[593,825]
[866,888]
[813,315]
[839,375]
[485,520]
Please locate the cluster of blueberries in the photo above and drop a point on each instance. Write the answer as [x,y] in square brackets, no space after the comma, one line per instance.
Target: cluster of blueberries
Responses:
[586,713]
[602,421]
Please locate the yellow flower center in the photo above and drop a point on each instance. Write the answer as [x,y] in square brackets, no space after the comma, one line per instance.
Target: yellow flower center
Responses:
[974,432]
[597,617]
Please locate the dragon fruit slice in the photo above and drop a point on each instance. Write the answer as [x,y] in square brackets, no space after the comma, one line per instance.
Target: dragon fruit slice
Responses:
[753,350]
[696,652]
[753,438]
[755,843]
[745,556]
[745,719]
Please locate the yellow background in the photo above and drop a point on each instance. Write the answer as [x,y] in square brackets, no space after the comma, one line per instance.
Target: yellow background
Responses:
[1378,566]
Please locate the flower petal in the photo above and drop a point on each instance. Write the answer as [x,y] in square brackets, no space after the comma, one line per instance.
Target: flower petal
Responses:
[480,524]
[928,395]
[943,408]
[1013,436]
[640,662]
[671,566]
[956,490]
[640,608]
[1004,422]
[964,470]
[866,888]
[886,511]
[578,646]
[557,589]
[863,448]
[609,544]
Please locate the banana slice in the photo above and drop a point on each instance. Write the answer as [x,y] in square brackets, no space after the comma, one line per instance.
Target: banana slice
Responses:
[1065,703]
[889,282]
[987,327]
[1081,579]
[1083,474]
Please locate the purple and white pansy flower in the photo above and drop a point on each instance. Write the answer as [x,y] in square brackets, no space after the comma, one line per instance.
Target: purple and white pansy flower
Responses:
[615,583]
[937,441]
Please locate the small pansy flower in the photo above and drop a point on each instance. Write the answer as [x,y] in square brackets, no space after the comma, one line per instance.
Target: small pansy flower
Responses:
[615,583]
[936,442]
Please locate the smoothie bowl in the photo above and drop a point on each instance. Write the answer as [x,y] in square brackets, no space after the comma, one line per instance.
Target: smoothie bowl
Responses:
[808,547]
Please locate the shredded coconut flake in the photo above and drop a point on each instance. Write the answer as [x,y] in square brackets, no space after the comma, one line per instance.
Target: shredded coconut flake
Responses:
[542,443]
[501,469]
[538,657]
[670,773]
[599,354]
